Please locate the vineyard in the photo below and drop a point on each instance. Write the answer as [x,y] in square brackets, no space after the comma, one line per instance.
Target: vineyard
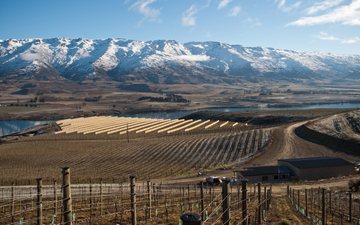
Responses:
[132,203]
[325,206]
[115,156]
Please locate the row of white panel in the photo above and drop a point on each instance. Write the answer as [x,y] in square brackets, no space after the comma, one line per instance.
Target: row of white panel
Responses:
[123,125]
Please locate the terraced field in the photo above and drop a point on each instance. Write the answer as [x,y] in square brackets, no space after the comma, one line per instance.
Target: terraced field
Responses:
[115,155]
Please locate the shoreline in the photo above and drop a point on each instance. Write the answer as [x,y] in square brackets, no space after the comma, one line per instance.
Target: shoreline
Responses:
[52,116]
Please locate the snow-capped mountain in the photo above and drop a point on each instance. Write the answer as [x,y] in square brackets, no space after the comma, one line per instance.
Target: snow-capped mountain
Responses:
[164,61]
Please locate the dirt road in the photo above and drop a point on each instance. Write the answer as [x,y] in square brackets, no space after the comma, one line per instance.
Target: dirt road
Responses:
[284,144]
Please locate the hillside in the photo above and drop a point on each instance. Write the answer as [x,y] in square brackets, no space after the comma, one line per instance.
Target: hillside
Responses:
[343,126]
[165,61]
[340,132]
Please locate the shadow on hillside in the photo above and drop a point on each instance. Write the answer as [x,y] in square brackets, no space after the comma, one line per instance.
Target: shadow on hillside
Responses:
[340,145]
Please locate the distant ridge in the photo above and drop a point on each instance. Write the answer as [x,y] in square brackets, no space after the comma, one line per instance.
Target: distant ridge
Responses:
[165,61]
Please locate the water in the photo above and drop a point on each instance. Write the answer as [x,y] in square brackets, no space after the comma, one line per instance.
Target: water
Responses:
[13,126]
[179,114]
[159,115]
[304,107]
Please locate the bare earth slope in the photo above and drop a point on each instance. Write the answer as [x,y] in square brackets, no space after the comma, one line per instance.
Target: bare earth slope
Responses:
[340,132]
[345,125]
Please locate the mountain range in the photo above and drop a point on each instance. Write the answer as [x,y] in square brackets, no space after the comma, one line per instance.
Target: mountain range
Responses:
[165,61]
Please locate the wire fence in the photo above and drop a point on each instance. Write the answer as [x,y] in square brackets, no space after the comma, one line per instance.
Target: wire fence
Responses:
[112,203]
[324,206]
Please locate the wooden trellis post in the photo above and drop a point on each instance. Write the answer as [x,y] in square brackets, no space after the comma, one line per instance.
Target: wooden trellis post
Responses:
[13,204]
[55,200]
[67,204]
[244,202]
[133,200]
[202,201]
[39,206]
[226,202]
[259,202]
[149,198]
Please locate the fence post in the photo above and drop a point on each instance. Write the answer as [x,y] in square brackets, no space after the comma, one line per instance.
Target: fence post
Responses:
[268,200]
[149,198]
[350,206]
[288,190]
[91,200]
[133,200]
[13,203]
[211,190]
[244,202]
[202,201]
[330,202]
[306,202]
[323,222]
[226,202]
[238,195]
[67,205]
[188,197]
[101,197]
[263,204]
[39,202]
[298,199]
[259,202]
[55,199]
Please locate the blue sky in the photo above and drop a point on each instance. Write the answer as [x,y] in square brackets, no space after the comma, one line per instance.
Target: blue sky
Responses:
[308,25]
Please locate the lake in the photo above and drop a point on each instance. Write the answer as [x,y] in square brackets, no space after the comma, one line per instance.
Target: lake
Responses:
[178,114]
[13,126]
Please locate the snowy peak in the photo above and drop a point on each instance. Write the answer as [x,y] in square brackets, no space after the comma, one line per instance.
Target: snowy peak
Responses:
[163,60]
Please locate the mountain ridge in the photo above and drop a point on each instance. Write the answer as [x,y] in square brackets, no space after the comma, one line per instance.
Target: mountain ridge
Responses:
[165,61]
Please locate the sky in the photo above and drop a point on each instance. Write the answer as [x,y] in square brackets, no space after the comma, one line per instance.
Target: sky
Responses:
[303,25]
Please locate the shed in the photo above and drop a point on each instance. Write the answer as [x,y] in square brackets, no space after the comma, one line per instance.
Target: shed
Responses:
[264,174]
[318,167]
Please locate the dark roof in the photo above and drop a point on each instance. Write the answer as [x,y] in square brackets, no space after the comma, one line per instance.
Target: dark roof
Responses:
[264,170]
[316,162]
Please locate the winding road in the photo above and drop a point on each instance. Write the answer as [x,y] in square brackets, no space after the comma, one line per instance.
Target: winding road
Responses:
[284,144]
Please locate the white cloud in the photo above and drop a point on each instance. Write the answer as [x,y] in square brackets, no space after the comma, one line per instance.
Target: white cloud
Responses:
[285,7]
[352,40]
[347,14]
[223,3]
[322,6]
[254,22]
[234,11]
[328,37]
[144,7]
[189,16]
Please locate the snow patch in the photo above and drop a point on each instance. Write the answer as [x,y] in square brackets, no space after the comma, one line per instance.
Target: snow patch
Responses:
[193,58]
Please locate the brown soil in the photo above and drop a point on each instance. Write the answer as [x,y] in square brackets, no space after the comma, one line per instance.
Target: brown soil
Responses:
[282,213]
[284,144]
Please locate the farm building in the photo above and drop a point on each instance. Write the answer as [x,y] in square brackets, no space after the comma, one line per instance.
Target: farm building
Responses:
[318,167]
[298,169]
[265,174]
